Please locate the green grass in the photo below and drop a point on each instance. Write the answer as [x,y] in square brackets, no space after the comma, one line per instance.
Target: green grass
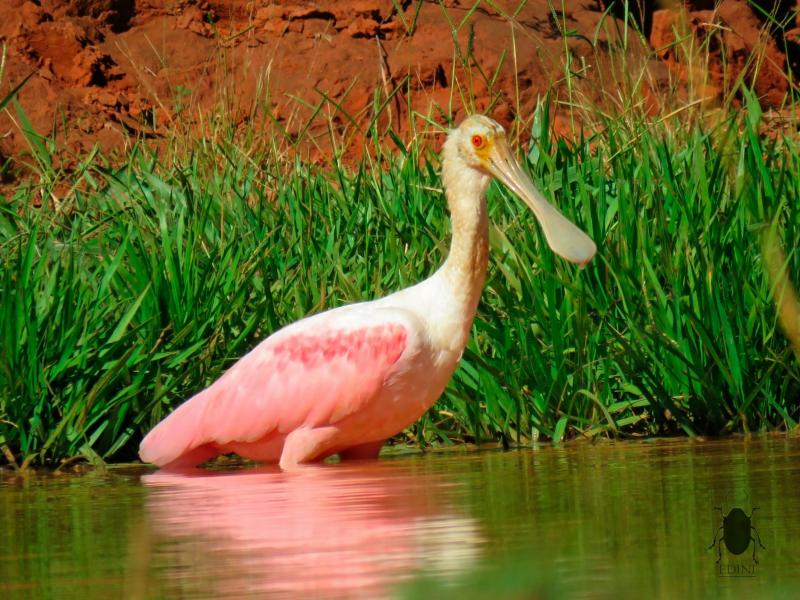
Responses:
[149,280]
[143,277]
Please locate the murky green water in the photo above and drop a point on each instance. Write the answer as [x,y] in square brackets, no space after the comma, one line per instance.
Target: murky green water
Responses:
[606,520]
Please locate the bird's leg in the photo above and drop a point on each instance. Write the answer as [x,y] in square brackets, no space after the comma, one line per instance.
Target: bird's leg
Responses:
[362,451]
[305,445]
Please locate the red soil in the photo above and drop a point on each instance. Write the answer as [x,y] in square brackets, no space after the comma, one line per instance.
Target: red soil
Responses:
[109,70]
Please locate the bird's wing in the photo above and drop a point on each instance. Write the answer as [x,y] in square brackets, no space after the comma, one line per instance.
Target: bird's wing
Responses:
[311,373]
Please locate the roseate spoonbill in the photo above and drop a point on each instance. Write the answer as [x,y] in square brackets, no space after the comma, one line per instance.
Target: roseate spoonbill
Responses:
[344,381]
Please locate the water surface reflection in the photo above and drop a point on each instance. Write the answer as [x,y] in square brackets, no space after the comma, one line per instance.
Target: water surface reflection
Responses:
[323,531]
[604,520]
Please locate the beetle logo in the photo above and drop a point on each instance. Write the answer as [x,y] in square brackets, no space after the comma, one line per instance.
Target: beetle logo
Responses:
[737,533]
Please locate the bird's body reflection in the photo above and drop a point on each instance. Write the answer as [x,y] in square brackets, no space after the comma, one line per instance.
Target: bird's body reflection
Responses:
[323,531]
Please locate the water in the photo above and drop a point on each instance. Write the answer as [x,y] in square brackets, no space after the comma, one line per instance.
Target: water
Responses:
[604,520]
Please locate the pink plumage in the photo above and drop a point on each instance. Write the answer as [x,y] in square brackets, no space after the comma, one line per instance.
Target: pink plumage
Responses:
[303,378]
[344,381]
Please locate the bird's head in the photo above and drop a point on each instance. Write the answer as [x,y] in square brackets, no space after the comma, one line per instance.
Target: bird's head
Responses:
[480,143]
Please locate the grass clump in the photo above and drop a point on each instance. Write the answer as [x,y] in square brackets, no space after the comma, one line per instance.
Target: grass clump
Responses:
[136,286]
[149,280]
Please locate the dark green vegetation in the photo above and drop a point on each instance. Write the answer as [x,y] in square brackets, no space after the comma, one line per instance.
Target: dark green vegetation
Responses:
[149,280]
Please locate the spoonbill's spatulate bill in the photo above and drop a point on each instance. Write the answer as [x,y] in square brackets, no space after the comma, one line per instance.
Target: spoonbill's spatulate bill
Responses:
[344,381]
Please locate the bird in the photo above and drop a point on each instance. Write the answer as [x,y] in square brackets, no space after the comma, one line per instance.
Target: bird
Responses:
[344,381]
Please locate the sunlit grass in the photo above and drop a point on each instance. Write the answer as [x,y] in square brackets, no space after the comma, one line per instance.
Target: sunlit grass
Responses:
[139,281]
[150,279]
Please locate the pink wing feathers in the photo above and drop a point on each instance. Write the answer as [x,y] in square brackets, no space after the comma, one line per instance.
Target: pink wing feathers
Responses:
[312,373]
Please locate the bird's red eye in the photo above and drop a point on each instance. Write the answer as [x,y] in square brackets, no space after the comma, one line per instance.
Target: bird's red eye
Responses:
[478,141]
